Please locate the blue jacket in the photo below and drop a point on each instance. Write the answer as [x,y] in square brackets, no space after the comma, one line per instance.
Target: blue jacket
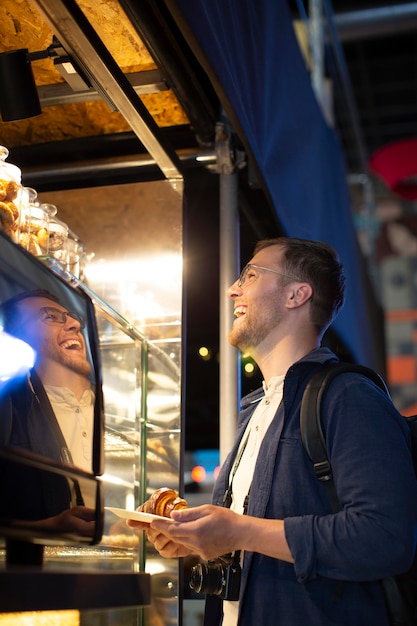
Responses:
[338,557]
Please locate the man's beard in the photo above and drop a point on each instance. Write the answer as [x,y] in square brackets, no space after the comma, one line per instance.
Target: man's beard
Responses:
[72,360]
[253,330]
[78,366]
[247,335]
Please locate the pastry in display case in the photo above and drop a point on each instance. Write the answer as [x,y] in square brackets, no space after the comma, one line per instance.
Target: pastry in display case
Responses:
[35,218]
[10,195]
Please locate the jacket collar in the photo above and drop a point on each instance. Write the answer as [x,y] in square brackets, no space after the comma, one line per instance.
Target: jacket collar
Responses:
[317,356]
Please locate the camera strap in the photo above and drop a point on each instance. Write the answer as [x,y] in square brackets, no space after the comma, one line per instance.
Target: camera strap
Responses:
[227,498]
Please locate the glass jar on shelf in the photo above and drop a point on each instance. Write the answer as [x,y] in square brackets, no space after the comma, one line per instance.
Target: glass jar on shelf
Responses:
[34,223]
[57,237]
[10,195]
[75,255]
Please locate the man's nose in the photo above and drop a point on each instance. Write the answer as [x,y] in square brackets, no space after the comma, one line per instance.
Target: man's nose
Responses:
[234,290]
[71,322]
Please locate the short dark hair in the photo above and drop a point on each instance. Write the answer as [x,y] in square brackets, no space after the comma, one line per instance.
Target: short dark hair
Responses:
[318,264]
[9,310]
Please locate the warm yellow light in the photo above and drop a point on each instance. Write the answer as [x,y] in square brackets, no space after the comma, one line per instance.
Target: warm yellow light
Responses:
[249,368]
[204,352]
[144,288]
[41,618]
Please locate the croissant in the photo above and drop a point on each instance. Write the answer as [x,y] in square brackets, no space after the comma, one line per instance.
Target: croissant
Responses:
[162,502]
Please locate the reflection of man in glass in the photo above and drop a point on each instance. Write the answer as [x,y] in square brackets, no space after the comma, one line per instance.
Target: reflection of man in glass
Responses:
[61,364]
[51,410]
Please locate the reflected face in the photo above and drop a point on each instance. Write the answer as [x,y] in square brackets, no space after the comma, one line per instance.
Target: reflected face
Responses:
[56,343]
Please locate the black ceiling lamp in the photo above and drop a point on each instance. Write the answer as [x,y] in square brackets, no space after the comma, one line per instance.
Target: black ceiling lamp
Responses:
[18,94]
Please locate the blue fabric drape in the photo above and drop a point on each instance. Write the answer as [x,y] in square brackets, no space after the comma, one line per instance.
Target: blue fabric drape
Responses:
[250,52]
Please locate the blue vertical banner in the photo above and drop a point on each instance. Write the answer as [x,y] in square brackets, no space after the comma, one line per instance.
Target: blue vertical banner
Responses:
[250,52]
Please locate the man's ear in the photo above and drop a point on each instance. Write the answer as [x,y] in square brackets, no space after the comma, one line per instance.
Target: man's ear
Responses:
[300,294]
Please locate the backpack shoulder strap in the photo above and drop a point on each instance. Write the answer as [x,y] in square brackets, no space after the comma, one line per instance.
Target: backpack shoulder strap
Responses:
[310,413]
[412,423]
[401,608]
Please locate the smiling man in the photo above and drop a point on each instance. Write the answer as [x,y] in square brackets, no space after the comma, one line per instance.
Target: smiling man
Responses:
[55,334]
[48,411]
[301,562]
[59,383]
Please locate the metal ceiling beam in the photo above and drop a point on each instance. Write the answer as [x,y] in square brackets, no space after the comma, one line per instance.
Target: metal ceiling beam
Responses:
[376,22]
[88,52]
[103,169]
[165,42]
[150,81]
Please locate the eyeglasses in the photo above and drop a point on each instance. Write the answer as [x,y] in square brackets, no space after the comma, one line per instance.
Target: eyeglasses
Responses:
[244,273]
[51,315]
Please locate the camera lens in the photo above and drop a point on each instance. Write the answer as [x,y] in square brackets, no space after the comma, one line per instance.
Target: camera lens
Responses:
[207,578]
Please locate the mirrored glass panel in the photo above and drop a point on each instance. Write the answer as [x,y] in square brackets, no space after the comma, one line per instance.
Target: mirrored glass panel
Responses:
[50,396]
[36,501]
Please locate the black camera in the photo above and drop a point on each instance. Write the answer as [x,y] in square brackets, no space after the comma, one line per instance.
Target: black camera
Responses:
[220,577]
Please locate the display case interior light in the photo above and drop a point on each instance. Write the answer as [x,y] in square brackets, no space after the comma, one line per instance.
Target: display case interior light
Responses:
[41,618]
[154,292]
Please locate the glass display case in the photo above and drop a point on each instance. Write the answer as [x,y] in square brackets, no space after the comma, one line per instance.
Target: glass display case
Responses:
[142,452]
[133,279]
[142,444]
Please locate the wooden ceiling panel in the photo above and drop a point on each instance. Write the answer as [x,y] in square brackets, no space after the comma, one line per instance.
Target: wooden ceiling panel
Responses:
[86,119]
[22,27]
[118,34]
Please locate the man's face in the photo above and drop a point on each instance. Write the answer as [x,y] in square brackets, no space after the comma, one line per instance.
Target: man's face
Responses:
[259,302]
[55,343]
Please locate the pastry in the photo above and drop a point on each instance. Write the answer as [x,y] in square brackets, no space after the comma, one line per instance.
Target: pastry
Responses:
[162,502]
[9,213]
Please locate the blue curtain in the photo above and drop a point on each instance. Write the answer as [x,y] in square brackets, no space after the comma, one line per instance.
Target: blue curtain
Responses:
[250,53]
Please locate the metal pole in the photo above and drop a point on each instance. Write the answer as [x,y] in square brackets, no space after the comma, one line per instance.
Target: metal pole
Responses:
[321,85]
[316,38]
[229,357]
[347,87]
[229,267]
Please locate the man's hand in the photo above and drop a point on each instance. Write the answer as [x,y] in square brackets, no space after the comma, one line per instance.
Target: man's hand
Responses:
[166,548]
[210,531]
[207,531]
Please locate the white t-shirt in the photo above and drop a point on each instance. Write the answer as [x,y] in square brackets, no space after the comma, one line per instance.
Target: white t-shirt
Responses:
[242,479]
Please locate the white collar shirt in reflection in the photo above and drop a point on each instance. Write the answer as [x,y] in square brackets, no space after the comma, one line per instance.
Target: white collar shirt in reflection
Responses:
[254,434]
[75,419]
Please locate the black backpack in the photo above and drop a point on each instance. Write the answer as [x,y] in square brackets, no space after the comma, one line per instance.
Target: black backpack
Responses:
[400,591]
